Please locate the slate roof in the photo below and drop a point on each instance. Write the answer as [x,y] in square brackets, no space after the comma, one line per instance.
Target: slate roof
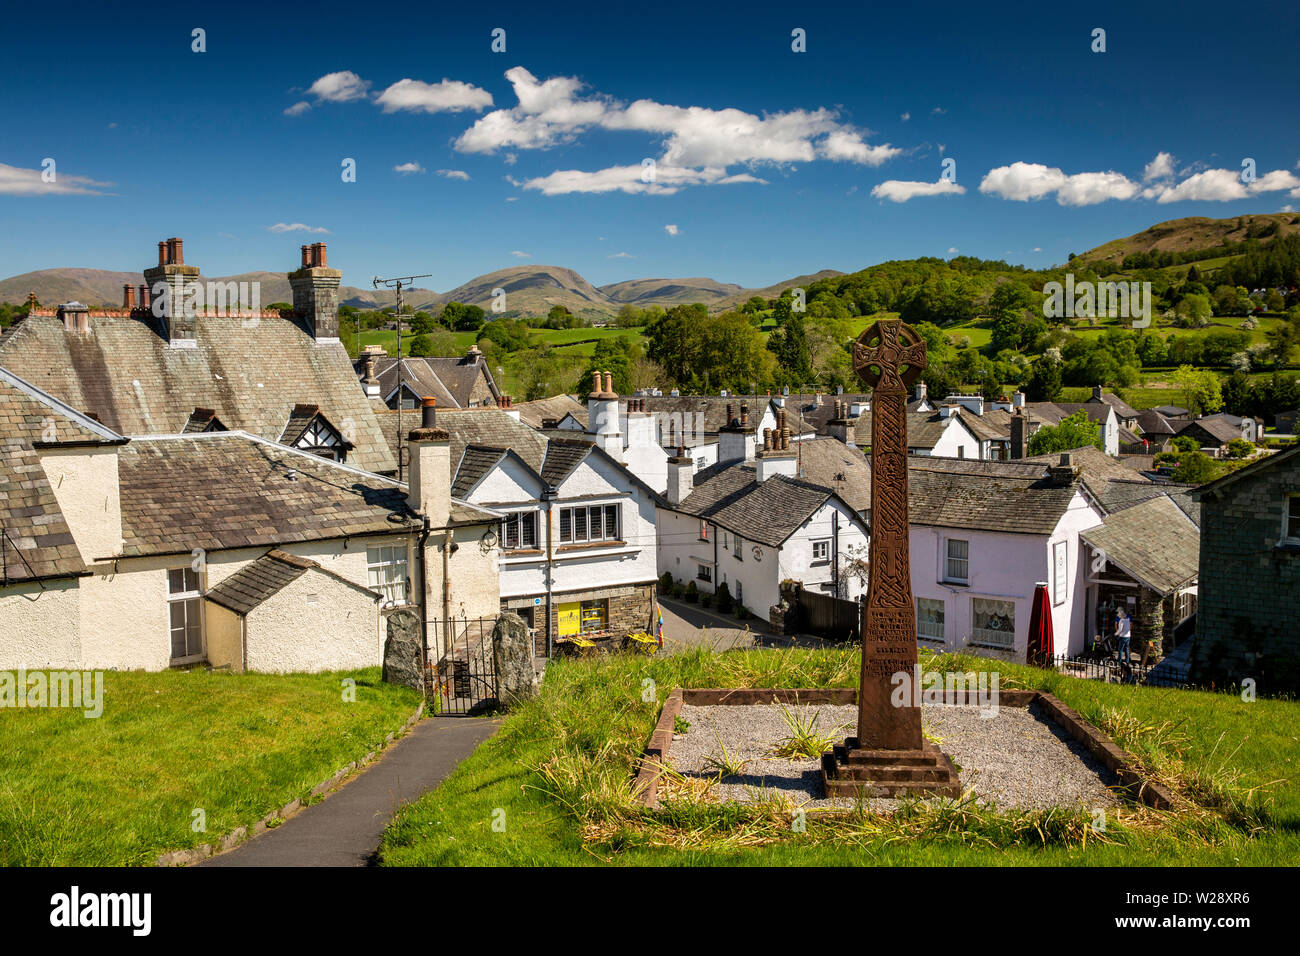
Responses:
[534,413]
[713,408]
[833,464]
[1122,408]
[1217,428]
[36,541]
[125,372]
[924,429]
[268,575]
[1172,411]
[449,380]
[1154,542]
[1153,423]
[233,490]
[1013,468]
[1095,464]
[203,420]
[1117,495]
[765,512]
[987,502]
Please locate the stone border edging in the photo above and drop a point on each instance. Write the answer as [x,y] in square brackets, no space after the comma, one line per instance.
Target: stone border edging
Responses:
[1118,761]
[239,835]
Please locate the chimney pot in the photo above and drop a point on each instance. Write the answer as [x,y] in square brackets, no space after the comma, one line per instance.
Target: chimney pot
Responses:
[144,301]
[128,296]
[744,413]
[429,413]
[306,257]
[609,383]
[318,255]
[31,301]
[177,251]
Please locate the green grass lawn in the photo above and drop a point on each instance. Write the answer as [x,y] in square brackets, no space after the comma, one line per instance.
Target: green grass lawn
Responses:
[553,786]
[122,788]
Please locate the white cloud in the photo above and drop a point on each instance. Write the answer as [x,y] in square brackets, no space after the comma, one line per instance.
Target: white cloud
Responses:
[938,111]
[621,255]
[454,174]
[1088,189]
[449,96]
[16,181]
[671,229]
[302,106]
[1223,185]
[521,255]
[1162,167]
[341,87]
[1037,249]
[952,250]
[406,168]
[628,179]
[1272,182]
[696,141]
[511,159]
[905,117]
[296,227]
[899,190]
[1024,181]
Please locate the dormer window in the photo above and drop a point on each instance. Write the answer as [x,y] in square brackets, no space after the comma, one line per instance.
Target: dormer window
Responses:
[309,430]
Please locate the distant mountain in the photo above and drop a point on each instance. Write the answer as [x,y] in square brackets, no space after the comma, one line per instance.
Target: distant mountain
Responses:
[669,292]
[530,290]
[775,290]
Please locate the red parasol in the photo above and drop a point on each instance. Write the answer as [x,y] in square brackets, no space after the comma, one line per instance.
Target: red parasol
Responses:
[1040,649]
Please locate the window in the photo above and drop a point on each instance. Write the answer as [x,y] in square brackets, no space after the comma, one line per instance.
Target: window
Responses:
[185,608]
[961,451]
[704,531]
[957,567]
[704,572]
[737,544]
[929,619]
[740,593]
[595,616]
[993,622]
[821,550]
[519,531]
[589,523]
[320,439]
[386,572]
[1060,573]
[1291,520]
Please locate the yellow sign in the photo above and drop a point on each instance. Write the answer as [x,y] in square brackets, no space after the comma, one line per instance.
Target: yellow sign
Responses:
[570,617]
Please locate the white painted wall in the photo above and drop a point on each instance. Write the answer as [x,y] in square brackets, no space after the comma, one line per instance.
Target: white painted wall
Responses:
[1006,566]
[40,625]
[957,441]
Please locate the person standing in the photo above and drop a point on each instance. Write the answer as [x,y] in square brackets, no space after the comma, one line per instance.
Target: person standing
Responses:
[1123,634]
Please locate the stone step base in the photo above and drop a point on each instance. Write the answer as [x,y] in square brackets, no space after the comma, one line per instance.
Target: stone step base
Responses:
[850,772]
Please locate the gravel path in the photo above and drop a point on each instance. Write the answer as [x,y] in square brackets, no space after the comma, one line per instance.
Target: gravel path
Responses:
[1014,759]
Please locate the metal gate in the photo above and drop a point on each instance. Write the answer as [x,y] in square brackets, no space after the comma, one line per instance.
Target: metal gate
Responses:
[463,680]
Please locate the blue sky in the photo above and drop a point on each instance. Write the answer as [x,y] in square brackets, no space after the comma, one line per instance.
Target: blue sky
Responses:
[1055,147]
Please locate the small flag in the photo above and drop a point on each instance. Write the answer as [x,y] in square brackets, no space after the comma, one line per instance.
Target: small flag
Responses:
[659,628]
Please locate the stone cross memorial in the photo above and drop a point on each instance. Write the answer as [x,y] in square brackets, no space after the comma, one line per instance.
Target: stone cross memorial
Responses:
[889,756]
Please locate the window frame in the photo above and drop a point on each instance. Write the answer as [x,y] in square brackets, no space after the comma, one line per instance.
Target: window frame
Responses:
[948,558]
[824,546]
[192,601]
[591,517]
[1287,503]
[520,520]
[386,567]
[987,636]
[703,572]
[942,622]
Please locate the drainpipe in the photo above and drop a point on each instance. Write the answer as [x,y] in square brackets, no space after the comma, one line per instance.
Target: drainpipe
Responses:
[446,589]
[835,552]
[548,499]
[420,553]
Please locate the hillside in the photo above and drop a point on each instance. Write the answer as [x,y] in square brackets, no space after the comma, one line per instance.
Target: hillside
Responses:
[1191,235]
[774,290]
[670,292]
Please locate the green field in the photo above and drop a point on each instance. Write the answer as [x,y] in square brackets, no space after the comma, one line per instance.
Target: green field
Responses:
[553,787]
[120,789]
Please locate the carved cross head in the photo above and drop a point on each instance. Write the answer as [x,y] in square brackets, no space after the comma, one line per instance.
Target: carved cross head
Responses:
[889,356]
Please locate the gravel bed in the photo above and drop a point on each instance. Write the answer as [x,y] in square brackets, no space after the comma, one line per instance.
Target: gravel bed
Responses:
[1016,759]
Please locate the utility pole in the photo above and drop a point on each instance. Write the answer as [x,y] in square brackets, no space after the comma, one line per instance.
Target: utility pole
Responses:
[398,284]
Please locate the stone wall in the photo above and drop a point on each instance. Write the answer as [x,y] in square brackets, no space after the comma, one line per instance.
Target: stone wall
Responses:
[1249,583]
[629,610]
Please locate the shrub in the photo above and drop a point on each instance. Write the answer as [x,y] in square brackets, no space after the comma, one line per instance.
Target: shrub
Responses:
[666,583]
[724,598]
[1240,448]
[692,592]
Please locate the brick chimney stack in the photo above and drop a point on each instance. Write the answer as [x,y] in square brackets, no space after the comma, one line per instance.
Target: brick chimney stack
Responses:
[75,317]
[316,294]
[681,477]
[168,282]
[144,296]
[128,297]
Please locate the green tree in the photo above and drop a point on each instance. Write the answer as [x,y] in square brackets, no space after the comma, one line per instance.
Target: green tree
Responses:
[1073,431]
[439,343]
[789,343]
[1044,383]
[423,323]
[1200,387]
[1194,468]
